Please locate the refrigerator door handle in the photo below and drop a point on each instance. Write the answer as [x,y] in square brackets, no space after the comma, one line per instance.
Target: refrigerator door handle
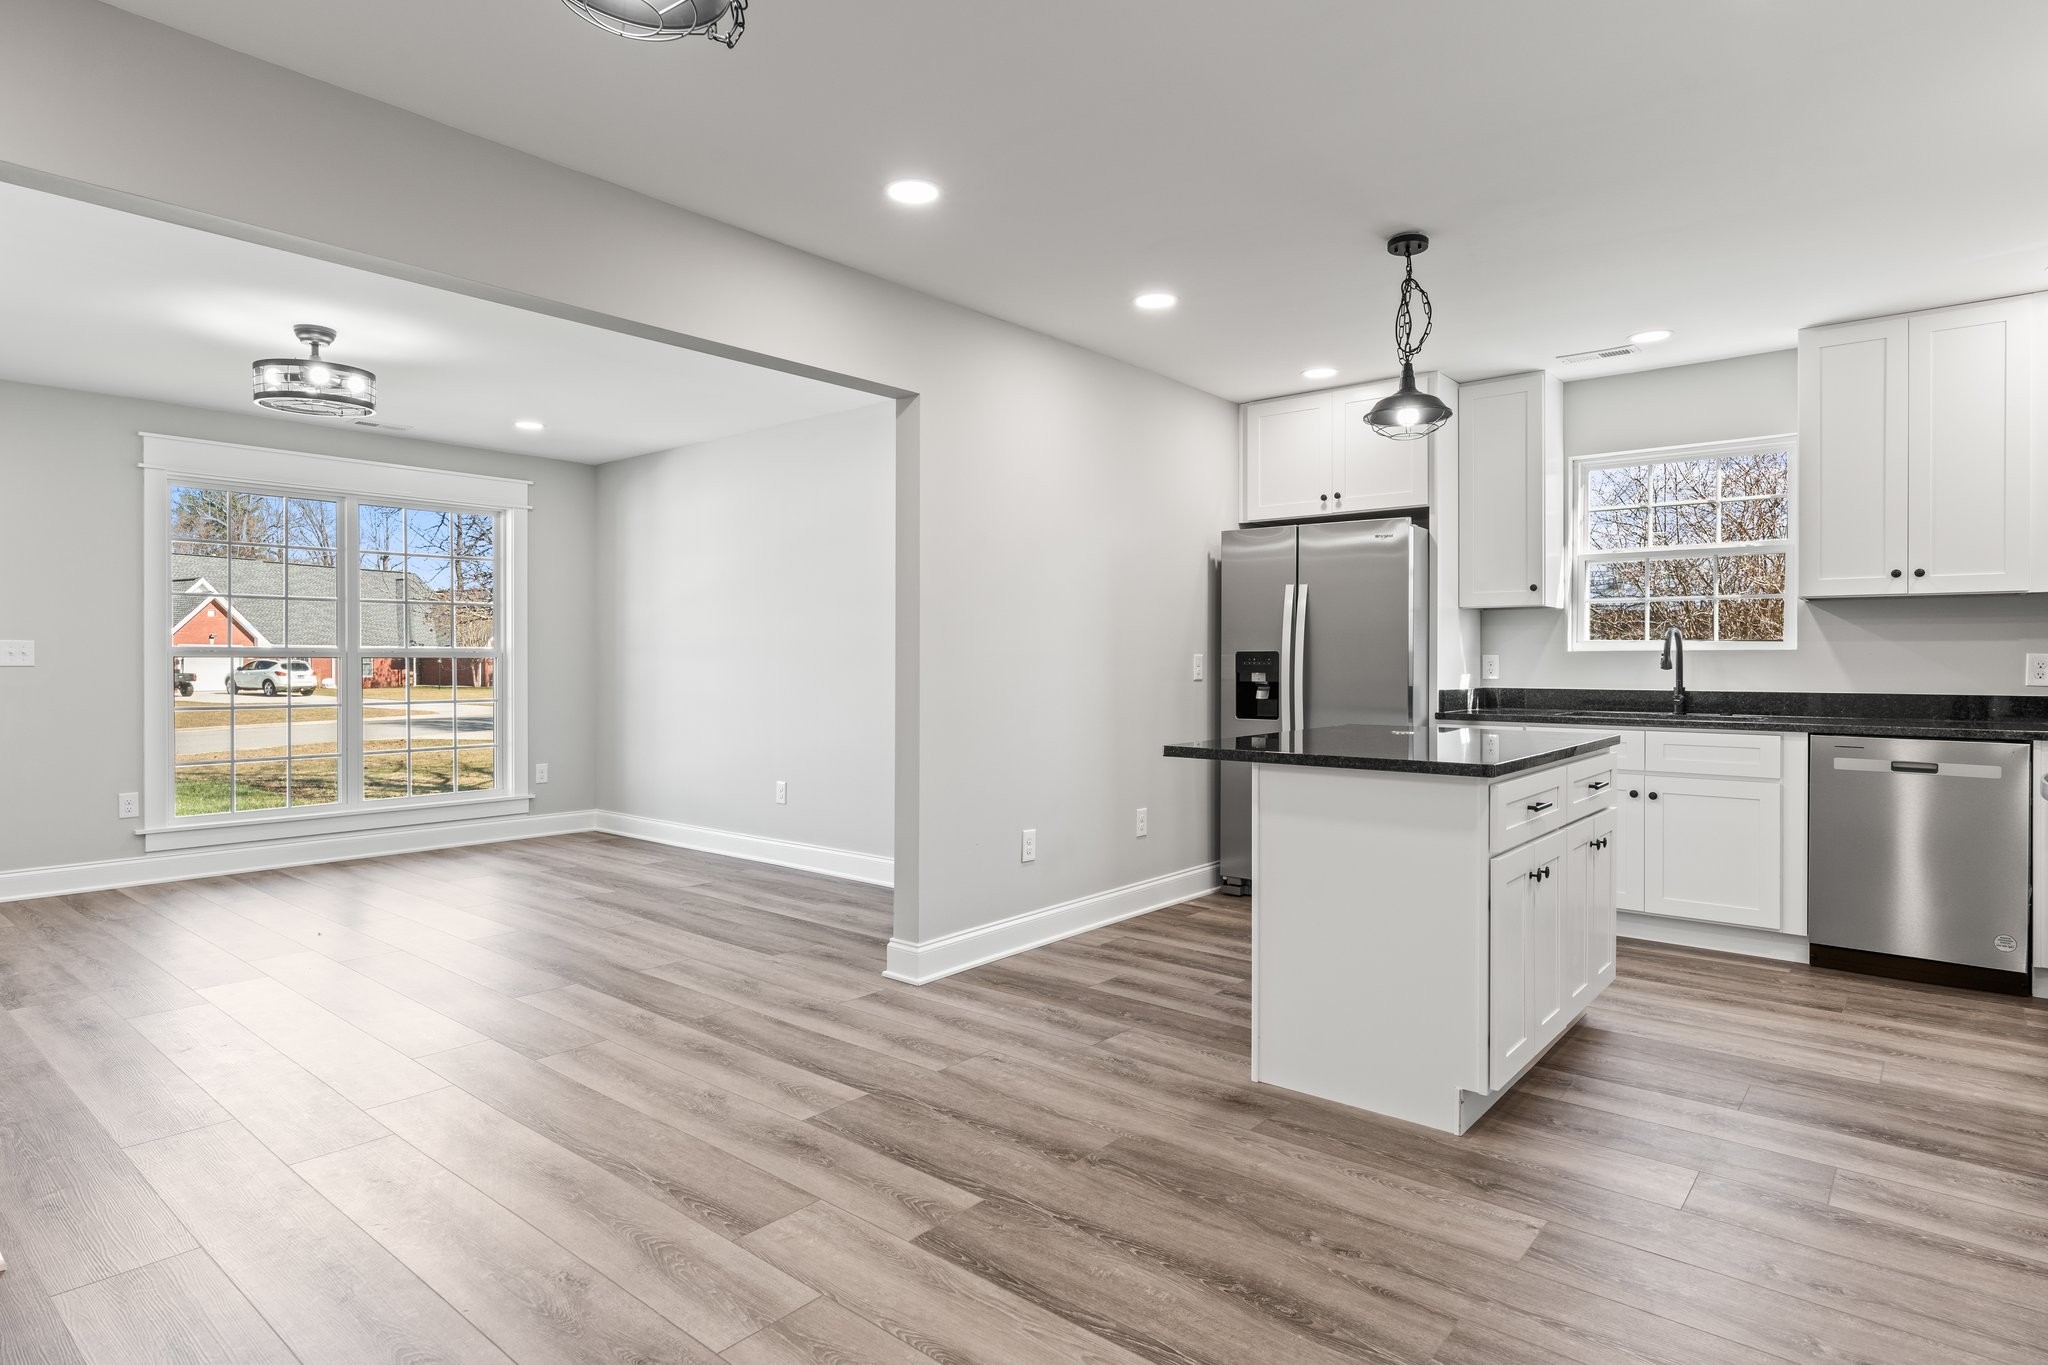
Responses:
[1299,663]
[1287,659]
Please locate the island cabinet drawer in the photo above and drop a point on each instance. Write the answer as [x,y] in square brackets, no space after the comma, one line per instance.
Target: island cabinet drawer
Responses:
[1714,753]
[1529,805]
[1589,785]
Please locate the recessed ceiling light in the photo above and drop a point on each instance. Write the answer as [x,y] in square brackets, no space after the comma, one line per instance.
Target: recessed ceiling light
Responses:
[528,424]
[1650,338]
[1319,372]
[913,192]
[1155,302]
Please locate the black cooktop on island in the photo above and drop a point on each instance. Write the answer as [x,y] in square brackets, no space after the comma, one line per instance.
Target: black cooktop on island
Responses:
[1460,752]
[1905,714]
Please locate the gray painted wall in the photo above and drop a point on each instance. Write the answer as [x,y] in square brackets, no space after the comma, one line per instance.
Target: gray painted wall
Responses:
[1905,644]
[71,559]
[1053,579]
[746,600]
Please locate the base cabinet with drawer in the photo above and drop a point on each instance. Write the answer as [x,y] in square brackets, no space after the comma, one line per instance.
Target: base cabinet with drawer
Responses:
[1710,825]
[1551,939]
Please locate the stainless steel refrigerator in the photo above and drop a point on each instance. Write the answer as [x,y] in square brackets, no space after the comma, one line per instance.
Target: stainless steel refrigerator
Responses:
[1326,624]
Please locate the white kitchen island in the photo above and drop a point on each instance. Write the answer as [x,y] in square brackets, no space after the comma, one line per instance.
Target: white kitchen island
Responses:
[1430,912]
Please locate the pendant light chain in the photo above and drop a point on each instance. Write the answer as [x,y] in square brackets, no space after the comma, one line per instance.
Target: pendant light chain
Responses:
[1406,344]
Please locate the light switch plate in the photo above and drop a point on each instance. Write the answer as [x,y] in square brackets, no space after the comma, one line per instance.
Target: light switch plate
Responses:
[1141,822]
[17,653]
[1489,667]
[2037,670]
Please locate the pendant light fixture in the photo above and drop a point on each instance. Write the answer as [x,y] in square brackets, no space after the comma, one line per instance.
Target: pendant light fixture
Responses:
[663,21]
[312,385]
[1408,412]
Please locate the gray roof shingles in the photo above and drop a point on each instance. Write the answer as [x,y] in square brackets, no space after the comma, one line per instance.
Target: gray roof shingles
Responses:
[256,588]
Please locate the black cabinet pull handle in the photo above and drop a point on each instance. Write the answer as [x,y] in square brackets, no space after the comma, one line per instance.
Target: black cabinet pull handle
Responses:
[1326,497]
[1598,786]
[1898,573]
[1533,588]
[1653,796]
[1633,793]
[1538,806]
[1919,573]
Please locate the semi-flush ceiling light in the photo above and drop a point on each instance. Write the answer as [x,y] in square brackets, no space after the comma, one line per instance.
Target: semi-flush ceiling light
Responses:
[1650,338]
[1155,302]
[528,424]
[662,21]
[1408,412]
[1319,372]
[313,386]
[913,192]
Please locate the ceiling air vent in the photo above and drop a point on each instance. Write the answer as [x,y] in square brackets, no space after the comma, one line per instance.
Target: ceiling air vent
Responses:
[1604,353]
[381,426]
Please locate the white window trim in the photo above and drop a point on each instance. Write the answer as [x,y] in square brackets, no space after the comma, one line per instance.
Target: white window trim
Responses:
[167,460]
[1576,640]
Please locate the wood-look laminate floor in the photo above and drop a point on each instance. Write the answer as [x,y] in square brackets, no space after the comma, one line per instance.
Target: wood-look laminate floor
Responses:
[589,1100]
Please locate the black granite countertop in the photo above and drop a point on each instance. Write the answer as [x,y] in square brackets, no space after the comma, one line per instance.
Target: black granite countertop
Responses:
[1464,752]
[1887,714]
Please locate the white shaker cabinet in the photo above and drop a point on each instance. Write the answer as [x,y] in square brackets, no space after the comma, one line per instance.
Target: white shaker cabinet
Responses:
[1915,467]
[1552,937]
[1969,407]
[1312,455]
[1511,494]
[1289,462]
[1713,849]
[1376,473]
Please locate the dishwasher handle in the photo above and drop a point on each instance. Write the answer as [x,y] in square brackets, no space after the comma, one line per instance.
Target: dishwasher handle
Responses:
[1900,765]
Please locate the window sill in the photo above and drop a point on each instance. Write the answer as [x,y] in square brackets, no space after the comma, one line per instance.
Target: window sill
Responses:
[317,824]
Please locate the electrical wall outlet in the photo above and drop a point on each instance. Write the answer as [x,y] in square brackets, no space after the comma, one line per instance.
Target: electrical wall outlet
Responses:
[2037,670]
[131,806]
[1141,822]
[1028,853]
[540,774]
[1198,668]
[17,653]
[1489,667]
[781,793]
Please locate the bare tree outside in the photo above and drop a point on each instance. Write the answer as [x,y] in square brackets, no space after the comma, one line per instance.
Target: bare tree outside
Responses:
[1723,505]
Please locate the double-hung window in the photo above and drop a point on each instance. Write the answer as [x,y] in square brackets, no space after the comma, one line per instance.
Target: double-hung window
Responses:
[331,644]
[1697,537]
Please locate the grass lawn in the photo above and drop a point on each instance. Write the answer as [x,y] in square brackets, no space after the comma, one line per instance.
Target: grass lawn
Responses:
[201,715]
[213,789]
[428,694]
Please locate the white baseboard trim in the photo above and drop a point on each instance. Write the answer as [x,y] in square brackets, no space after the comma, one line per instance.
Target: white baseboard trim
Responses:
[1720,938]
[918,963]
[833,862]
[74,878]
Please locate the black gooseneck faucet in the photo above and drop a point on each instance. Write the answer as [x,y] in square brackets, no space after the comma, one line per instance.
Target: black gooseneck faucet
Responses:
[1674,656]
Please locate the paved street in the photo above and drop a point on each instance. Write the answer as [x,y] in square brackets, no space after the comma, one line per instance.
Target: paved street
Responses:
[263,725]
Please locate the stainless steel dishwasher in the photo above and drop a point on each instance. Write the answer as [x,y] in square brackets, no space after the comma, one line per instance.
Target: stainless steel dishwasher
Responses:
[1917,859]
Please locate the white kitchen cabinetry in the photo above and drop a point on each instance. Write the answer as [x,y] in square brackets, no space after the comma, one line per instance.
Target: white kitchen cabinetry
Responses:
[1551,940]
[1511,495]
[1710,825]
[1289,465]
[1312,455]
[1915,459]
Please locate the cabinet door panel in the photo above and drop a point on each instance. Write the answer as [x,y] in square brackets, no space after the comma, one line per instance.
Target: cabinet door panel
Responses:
[1376,473]
[1852,460]
[1970,404]
[1525,999]
[1713,850]
[1510,495]
[1600,917]
[1575,915]
[1288,457]
[1628,841]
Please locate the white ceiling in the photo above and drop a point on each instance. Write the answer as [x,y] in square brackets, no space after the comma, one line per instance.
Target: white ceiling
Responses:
[1729,169]
[102,300]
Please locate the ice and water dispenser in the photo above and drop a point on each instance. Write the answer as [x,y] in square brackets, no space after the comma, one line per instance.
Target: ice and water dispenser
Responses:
[1258,685]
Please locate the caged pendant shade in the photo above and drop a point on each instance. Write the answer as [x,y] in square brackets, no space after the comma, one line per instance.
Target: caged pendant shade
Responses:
[1408,412]
[312,385]
[662,21]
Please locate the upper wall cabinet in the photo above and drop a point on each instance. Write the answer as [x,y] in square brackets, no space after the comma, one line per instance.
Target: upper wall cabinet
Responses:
[1915,453]
[1312,455]
[1511,533]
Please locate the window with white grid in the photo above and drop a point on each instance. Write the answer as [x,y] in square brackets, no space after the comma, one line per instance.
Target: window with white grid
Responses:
[1697,537]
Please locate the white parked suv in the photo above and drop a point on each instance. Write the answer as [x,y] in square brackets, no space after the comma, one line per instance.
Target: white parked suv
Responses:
[272,676]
